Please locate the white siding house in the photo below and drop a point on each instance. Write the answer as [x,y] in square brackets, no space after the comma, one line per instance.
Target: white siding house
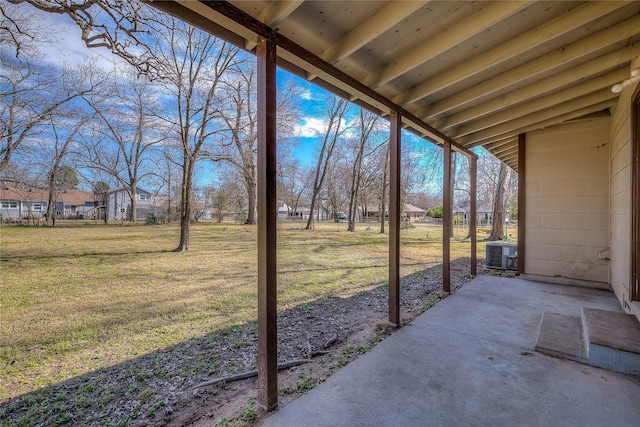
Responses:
[119,205]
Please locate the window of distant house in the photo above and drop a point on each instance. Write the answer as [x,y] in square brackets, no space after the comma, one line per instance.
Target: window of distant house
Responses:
[37,206]
[142,197]
[11,205]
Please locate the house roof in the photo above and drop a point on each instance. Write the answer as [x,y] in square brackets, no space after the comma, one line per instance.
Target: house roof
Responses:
[71,198]
[465,206]
[75,198]
[411,208]
[407,208]
[138,190]
[476,73]
[24,194]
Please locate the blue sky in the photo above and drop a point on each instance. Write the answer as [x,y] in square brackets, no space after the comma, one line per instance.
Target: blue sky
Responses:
[68,48]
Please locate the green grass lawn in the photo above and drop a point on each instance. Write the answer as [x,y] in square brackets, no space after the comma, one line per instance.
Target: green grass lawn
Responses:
[76,298]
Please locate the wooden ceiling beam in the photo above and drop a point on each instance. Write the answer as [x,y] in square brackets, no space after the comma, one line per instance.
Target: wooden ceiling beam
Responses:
[326,71]
[572,52]
[551,84]
[385,19]
[511,161]
[196,15]
[513,145]
[502,142]
[533,126]
[474,24]
[514,127]
[511,155]
[274,14]
[278,11]
[576,18]
[548,101]
[602,107]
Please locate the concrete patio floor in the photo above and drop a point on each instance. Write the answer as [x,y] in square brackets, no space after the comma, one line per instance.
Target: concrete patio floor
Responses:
[470,361]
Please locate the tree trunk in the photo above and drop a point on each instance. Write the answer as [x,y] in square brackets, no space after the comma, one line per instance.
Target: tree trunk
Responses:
[250,183]
[169,211]
[133,189]
[383,192]
[497,226]
[185,207]
[452,187]
[51,208]
[355,184]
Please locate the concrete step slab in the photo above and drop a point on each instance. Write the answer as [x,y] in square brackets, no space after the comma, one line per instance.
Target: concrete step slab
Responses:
[613,340]
[562,336]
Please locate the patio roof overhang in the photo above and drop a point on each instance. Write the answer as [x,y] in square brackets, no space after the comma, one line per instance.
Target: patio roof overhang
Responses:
[468,73]
[461,74]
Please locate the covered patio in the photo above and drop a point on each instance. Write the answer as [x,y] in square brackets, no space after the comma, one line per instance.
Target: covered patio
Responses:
[551,89]
[471,360]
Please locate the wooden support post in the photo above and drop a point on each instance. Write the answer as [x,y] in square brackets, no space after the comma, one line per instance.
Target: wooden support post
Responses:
[447,220]
[634,284]
[521,201]
[473,172]
[267,216]
[395,143]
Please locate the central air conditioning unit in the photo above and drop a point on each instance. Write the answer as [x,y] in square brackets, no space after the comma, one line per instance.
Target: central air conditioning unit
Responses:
[502,255]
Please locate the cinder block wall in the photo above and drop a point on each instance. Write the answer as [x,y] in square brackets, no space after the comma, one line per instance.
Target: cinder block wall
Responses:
[567,199]
[620,154]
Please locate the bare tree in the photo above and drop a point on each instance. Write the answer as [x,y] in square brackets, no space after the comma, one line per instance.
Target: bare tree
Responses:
[117,25]
[129,123]
[101,194]
[17,29]
[221,202]
[193,65]
[165,175]
[237,143]
[334,130]
[384,186]
[30,94]
[367,124]
[60,147]
[497,227]
[294,181]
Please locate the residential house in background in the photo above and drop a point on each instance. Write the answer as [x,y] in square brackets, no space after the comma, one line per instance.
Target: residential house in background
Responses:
[302,211]
[22,203]
[283,210]
[484,212]
[119,205]
[413,213]
[28,203]
[75,205]
[166,209]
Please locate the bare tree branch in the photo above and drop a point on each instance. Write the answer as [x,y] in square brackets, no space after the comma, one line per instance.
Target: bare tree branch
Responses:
[120,26]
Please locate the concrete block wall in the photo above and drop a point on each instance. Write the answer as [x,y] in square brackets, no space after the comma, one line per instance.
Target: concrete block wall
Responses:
[620,217]
[567,199]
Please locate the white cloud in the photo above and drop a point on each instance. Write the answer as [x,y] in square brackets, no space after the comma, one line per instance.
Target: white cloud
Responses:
[311,127]
[306,95]
[65,45]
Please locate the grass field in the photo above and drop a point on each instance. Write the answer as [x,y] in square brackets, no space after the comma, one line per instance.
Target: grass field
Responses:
[79,298]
